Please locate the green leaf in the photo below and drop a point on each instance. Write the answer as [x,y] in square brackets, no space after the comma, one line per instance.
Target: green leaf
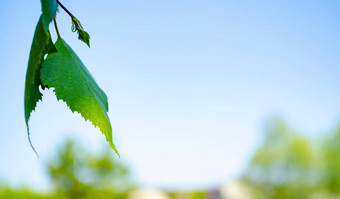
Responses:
[74,84]
[49,11]
[41,45]
[82,34]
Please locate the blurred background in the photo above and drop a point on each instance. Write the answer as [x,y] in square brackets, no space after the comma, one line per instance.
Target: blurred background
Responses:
[207,99]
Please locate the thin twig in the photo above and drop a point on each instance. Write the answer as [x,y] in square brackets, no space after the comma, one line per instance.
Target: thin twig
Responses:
[63,7]
[56,27]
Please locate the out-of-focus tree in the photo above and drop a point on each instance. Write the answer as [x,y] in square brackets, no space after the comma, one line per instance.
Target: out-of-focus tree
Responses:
[285,166]
[331,159]
[75,173]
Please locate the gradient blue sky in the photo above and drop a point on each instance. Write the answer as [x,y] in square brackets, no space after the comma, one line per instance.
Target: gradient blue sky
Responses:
[190,83]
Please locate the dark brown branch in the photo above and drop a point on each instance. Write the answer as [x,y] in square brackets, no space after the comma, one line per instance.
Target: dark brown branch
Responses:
[56,27]
[63,7]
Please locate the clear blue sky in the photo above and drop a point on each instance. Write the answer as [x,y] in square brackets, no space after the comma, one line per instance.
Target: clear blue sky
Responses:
[190,83]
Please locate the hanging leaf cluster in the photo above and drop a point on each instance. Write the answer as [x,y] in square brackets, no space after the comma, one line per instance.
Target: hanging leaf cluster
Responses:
[63,71]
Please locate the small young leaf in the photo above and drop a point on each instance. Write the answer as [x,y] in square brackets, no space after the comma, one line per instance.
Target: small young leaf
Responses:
[41,45]
[74,84]
[49,11]
[82,34]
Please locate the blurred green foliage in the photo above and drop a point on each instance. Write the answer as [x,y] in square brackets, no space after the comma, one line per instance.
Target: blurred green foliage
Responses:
[24,193]
[331,158]
[189,195]
[76,173]
[199,195]
[288,165]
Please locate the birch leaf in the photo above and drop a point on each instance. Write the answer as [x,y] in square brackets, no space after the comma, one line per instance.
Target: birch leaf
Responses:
[41,45]
[74,84]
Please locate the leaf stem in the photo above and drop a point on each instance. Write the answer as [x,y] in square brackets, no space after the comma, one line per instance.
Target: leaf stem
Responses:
[63,7]
[29,140]
[56,27]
